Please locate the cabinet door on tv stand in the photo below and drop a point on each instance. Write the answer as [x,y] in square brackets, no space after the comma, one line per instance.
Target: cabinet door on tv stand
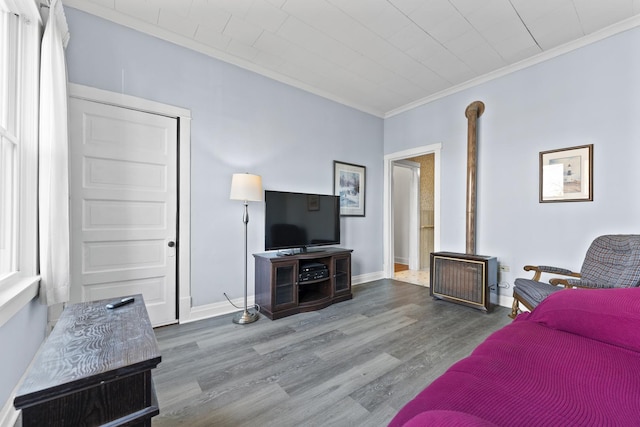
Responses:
[285,285]
[342,275]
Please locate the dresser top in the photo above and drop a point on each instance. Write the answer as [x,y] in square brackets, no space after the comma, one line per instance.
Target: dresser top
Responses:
[91,343]
[310,253]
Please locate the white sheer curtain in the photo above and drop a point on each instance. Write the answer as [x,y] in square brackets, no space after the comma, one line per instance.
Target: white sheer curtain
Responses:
[53,197]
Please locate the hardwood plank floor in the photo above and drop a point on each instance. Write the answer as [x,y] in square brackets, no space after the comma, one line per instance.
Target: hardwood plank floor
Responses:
[400,267]
[354,363]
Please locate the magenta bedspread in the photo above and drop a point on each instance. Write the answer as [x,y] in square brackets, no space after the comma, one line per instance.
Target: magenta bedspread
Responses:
[574,361]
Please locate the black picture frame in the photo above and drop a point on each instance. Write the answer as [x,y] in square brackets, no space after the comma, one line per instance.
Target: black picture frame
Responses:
[349,182]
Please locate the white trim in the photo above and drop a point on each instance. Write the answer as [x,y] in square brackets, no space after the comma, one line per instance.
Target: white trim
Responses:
[387,230]
[184,154]
[151,29]
[221,308]
[505,300]
[189,43]
[367,277]
[402,260]
[216,309]
[414,213]
[8,414]
[25,8]
[30,143]
[17,291]
[15,296]
[122,100]
[184,220]
[602,34]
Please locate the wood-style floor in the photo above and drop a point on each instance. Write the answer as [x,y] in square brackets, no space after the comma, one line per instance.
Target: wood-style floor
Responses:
[355,363]
[400,267]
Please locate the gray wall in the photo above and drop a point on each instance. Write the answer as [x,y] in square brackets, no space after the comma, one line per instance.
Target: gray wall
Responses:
[588,96]
[241,122]
[20,338]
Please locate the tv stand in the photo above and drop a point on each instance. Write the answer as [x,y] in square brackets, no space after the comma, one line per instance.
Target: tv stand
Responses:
[280,292]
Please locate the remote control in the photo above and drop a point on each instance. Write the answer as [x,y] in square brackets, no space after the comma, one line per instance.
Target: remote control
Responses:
[120,303]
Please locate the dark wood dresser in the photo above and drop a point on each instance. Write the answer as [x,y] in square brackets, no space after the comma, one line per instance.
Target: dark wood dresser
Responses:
[94,369]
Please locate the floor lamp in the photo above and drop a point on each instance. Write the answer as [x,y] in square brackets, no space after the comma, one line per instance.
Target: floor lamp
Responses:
[248,188]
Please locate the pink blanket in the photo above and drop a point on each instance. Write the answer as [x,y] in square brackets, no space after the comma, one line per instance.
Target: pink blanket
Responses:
[574,361]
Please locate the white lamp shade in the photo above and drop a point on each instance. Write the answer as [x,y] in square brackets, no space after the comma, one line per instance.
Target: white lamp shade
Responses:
[245,186]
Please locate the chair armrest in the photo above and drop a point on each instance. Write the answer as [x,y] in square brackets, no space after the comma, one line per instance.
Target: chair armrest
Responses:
[539,269]
[578,283]
[558,281]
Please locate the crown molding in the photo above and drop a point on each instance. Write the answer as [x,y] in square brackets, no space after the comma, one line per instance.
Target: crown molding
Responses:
[186,42]
[602,34]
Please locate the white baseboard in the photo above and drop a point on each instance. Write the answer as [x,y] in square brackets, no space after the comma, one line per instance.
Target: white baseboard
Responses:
[184,309]
[368,277]
[216,309]
[192,314]
[505,300]
[9,415]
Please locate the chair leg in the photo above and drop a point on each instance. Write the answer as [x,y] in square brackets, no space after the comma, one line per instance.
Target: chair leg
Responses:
[514,308]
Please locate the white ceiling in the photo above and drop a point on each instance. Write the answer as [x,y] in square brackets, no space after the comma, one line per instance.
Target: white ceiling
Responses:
[379,56]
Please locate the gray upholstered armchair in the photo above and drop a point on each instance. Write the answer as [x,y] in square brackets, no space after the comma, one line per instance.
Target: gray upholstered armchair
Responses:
[612,261]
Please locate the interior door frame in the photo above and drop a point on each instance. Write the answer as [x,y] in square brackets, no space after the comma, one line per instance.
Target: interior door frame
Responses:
[183,308]
[387,200]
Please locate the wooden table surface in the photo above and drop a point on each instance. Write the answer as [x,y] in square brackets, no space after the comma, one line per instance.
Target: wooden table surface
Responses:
[90,344]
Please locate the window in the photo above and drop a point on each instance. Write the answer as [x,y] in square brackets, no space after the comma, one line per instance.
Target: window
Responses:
[20,32]
[9,44]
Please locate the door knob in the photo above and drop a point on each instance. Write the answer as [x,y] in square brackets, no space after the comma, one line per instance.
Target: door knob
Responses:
[171,244]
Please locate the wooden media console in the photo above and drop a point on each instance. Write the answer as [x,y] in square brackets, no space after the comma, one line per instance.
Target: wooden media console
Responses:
[286,285]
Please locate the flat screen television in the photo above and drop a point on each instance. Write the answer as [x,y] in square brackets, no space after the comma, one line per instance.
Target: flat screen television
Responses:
[300,220]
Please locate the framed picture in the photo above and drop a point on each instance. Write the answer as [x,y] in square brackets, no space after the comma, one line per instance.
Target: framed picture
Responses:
[313,202]
[566,175]
[349,183]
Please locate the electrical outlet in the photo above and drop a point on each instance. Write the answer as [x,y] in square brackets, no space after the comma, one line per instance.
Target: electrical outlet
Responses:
[504,268]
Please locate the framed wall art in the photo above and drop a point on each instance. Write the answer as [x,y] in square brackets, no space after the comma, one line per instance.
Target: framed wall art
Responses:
[566,174]
[349,182]
[313,202]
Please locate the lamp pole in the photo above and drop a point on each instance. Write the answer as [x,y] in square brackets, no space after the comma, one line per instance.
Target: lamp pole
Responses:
[247,188]
[245,316]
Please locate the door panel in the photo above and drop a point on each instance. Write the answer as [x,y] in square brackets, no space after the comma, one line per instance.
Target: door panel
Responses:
[123,206]
[151,287]
[122,215]
[123,175]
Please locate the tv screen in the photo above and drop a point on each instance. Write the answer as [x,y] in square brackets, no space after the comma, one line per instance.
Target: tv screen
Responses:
[300,220]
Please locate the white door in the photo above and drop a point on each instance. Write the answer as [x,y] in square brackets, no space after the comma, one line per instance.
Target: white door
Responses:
[123,190]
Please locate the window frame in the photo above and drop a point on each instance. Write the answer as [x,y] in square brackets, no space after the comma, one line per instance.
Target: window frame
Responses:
[9,142]
[19,288]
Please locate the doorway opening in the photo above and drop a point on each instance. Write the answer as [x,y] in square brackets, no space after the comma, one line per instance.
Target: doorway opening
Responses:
[413,208]
[412,200]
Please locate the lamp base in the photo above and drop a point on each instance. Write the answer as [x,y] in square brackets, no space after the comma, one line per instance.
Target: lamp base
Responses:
[245,317]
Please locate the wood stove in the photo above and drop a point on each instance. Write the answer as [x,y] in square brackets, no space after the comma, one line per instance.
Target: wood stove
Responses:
[467,279]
